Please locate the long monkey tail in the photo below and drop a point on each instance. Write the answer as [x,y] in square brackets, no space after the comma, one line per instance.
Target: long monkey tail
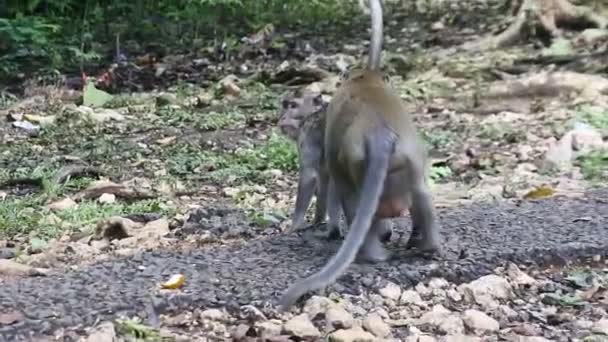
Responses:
[375,44]
[380,145]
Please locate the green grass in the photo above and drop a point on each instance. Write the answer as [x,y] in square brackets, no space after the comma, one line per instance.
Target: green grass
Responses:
[594,166]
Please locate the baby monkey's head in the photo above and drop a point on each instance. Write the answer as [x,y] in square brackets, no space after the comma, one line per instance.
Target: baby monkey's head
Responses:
[296,107]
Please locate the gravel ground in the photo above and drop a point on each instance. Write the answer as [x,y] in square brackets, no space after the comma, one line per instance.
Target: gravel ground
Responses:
[477,239]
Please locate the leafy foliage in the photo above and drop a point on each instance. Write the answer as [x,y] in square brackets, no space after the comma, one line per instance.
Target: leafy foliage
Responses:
[68,33]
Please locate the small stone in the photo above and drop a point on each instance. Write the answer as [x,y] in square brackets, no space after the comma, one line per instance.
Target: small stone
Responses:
[301,326]
[600,327]
[451,325]
[527,329]
[317,305]
[376,325]
[213,315]
[252,313]
[460,338]
[351,335]
[584,324]
[479,322]
[507,312]
[454,295]
[107,198]
[391,291]
[485,290]
[442,318]
[102,333]
[518,277]
[422,289]
[426,338]
[62,204]
[269,328]
[438,283]
[531,339]
[437,26]
[411,297]
[338,318]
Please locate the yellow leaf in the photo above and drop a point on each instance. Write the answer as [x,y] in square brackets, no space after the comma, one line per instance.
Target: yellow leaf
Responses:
[176,281]
[540,192]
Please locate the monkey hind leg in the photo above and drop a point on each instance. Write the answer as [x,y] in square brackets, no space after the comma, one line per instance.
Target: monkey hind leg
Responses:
[373,249]
[334,206]
[425,232]
[385,230]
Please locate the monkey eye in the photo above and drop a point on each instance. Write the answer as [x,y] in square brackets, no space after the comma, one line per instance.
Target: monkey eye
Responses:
[289,104]
[318,100]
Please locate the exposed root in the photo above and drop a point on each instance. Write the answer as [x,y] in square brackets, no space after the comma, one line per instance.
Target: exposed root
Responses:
[71,171]
[550,84]
[516,95]
[548,15]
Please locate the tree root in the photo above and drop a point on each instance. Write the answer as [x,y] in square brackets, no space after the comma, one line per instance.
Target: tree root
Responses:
[545,14]
[499,96]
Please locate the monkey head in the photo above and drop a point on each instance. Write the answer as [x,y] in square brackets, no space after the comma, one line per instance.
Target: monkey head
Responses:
[297,107]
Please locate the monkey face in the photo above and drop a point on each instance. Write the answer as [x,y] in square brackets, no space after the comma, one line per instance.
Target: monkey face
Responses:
[295,109]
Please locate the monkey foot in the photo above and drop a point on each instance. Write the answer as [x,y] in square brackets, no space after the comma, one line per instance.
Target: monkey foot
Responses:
[373,253]
[423,245]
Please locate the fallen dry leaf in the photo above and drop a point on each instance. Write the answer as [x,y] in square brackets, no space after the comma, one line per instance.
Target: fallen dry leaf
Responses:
[540,192]
[176,281]
[12,268]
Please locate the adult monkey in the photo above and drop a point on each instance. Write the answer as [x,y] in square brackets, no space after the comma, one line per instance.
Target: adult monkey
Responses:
[376,166]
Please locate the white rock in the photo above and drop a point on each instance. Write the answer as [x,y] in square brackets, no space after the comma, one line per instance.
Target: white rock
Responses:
[485,290]
[62,204]
[376,325]
[507,312]
[107,198]
[317,305]
[454,295]
[479,322]
[269,328]
[451,325]
[600,327]
[438,283]
[411,297]
[442,318]
[560,153]
[338,318]
[531,339]
[460,338]
[391,291]
[213,314]
[426,338]
[351,335]
[422,289]
[586,139]
[584,324]
[104,332]
[301,326]
[518,277]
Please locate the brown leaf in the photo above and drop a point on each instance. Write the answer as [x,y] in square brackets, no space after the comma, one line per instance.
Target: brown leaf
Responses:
[540,192]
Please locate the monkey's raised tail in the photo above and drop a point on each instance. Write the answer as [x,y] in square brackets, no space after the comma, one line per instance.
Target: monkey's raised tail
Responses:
[375,42]
[380,145]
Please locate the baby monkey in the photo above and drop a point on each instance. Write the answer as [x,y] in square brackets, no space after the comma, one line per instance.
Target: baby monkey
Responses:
[302,119]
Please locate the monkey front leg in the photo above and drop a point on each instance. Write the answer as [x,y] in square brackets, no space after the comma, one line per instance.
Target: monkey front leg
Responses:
[306,187]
